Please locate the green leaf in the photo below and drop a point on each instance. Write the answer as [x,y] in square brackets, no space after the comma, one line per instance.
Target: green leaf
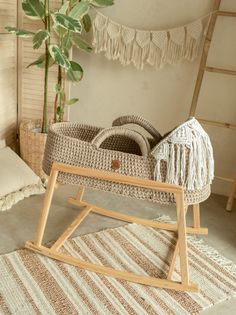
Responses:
[102,3]
[58,88]
[39,38]
[33,9]
[67,41]
[79,10]
[72,101]
[37,62]
[81,43]
[73,2]
[60,110]
[67,22]
[60,31]
[75,73]
[59,57]
[19,32]
[40,62]
[87,22]
[64,8]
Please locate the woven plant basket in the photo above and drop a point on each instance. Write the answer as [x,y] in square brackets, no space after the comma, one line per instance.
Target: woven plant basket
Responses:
[182,157]
[32,146]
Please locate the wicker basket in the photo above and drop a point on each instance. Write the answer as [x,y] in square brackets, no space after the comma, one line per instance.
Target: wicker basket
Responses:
[32,146]
[120,150]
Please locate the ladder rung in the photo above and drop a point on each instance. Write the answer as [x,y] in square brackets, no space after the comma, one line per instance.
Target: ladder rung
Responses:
[217,123]
[226,13]
[230,180]
[220,70]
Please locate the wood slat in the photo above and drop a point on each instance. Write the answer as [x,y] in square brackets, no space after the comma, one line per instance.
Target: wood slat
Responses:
[226,13]
[220,70]
[8,14]
[217,123]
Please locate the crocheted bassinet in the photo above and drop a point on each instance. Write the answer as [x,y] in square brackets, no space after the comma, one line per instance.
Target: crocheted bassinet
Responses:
[183,157]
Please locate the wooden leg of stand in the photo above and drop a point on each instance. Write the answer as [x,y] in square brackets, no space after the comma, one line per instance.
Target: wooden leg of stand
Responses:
[46,207]
[231,197]
[174,257]
[196,216]
[181,222]
[80,194]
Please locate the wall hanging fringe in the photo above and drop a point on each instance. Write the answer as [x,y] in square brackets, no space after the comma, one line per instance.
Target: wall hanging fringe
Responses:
[156,48]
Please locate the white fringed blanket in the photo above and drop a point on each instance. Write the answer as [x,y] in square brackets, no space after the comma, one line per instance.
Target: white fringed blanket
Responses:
[156,48]
[200,165]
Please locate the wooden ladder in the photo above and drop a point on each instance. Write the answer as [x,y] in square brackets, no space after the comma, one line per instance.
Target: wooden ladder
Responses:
[202,69]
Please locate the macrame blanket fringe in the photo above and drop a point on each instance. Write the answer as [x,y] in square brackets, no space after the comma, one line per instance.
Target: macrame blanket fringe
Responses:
[193,174]
[156,48]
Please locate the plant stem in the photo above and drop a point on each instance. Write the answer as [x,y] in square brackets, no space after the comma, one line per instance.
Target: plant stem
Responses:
[59,82]
[47,56]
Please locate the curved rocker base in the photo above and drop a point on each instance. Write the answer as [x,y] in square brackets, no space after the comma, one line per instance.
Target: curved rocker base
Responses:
[107,271]
[180,228]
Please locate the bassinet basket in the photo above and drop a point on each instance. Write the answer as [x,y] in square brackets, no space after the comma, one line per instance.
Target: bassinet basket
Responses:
[184,157]
[176,169]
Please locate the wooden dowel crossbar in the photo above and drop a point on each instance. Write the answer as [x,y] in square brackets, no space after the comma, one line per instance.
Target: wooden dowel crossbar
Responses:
[217,123]
[230,180]
[117,178]
[226,13]
[132,219]
[220,70]
[71,228]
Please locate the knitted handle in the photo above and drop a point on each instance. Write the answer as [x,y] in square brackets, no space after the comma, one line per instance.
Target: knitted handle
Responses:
[118,131]
[132,119]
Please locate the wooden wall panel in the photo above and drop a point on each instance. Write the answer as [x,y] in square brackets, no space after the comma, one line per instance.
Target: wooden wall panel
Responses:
[8,14]
[8,73]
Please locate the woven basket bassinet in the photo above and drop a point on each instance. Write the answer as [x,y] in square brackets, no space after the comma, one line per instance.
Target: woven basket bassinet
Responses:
[183,157]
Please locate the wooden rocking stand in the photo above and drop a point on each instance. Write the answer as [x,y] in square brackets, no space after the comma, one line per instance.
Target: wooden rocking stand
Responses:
[180,228]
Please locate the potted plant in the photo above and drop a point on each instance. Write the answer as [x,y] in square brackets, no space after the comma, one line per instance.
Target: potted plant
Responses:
[61,31]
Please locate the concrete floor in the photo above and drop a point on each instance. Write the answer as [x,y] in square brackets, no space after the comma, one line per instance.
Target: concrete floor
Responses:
[19,224]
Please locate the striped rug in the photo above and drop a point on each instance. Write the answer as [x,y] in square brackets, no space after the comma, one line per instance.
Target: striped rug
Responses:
[34,284]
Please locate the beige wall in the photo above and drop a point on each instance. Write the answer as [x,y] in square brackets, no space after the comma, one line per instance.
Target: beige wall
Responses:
[109,90]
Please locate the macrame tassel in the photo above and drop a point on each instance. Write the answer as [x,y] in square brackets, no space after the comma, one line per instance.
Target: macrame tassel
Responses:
[194,32]
[158,49]
[170,178]
[176,47]
[126,45]
[157,172]
[100,33]
[160,155]
[182,165]
[113,41]
[140,48]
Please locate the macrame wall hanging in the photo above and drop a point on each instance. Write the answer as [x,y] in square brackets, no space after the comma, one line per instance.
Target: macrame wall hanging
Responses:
[156,48]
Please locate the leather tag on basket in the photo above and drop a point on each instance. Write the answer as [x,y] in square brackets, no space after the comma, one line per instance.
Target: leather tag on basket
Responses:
[115,164]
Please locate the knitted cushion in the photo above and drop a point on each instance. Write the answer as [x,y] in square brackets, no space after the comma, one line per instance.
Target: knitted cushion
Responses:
[17,180]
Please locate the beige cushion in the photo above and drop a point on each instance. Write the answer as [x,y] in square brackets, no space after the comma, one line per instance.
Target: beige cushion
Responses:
[17,180]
